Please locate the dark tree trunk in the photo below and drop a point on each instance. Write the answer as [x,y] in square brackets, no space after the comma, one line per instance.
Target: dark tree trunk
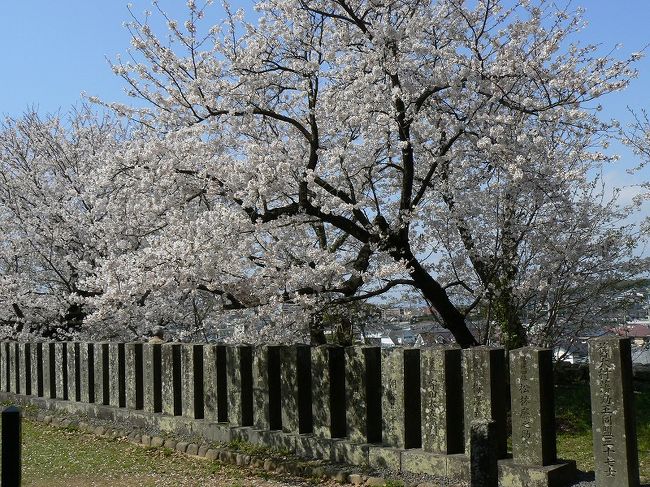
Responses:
[433,292]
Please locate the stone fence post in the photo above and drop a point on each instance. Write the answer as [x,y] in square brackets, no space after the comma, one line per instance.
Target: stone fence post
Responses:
[533,406]
[484,392]
[616,458]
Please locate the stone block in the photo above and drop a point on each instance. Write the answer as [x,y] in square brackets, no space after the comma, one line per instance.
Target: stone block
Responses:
[613,421]
[239,371]
[14,375]
[560,474]
[36,352]
[532,401]
[101,373]
[295,394]
[384,457]
[400,405]
[74,393]
[211,373]
[328,385]
[363,394]
[61,374]
[152,377]
[25,368]
[266,387]
[344,451]
[441,389]
[49,371]
[117,374]
[311,446]
[484,391]
[458,467]
[192,380]
[87,372]
[219,432]
[4,371]
[171,379]
[134,375]
[419,461]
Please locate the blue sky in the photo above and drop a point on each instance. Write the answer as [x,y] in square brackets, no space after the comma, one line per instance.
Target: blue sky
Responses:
[51,51]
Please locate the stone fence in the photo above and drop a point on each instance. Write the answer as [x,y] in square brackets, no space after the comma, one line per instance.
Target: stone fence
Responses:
[405,409]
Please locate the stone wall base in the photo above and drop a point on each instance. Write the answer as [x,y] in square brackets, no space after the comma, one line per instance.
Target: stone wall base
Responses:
[310,446]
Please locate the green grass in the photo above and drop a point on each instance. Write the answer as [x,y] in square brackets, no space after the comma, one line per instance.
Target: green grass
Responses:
[57,456]
[573,416]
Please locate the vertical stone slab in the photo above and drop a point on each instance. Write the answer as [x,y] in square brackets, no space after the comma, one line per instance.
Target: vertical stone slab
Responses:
[483,454]
[210,382]
[192,378]
[87,372]
[134,375]
[442,399]
[61,364]
[484,391]
[328,391]
[152,377]
[73,369]
[266,387]
[14,375]
[616,458]
[533,406]
[4,371]
[25,369]
[401,421]
[359,393]
[36,352]
[117,374]
[171,379]
[239,370]
[295,389]
[49,371]
[102,375]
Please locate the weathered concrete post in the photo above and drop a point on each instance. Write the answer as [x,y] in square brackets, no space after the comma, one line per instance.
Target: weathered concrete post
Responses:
[363,393]
[101,375]
[117,374]
[25,366]
[483,454]
[134,375]
[87,372]
[36,353]
[328,385]
[152,377]
[14,374]
[74,393]
[215,400]
[266,387]
[61,374]
[612,412]
[239,370]
[401,402]
[4,370]
[484,388]
[533,406]
[442,399]
[49,371]
[400,407]
[171,379]
[295,389]
[192,377]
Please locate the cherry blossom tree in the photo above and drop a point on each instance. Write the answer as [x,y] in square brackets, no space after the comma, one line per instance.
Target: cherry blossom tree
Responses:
[345,149]
[331,152]
[49,220]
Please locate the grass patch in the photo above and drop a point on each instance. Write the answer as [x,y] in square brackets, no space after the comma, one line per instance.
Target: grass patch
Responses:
[57,456]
